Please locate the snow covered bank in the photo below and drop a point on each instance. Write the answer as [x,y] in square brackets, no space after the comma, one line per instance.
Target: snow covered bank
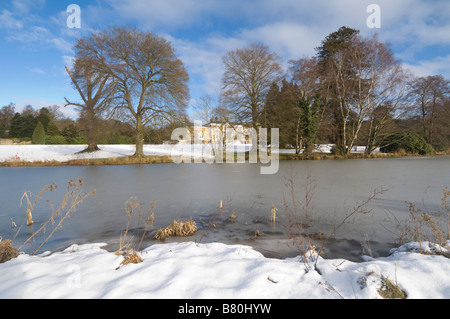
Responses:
[63,153]
[189,270]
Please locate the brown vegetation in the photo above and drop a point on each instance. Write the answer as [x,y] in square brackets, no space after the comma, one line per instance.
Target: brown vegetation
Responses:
[177,228]
[7,251]
[91,162]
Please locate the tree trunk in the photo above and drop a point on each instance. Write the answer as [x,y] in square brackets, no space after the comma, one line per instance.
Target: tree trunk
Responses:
[139,139]
[91,133]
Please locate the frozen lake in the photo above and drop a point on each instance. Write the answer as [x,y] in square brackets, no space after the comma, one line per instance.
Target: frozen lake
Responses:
[194,190]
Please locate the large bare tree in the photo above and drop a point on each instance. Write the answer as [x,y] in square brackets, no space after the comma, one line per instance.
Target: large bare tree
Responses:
[150,81]
[95,92]
[248,75]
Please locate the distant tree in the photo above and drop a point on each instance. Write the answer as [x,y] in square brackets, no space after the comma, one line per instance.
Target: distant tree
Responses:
[16,126]
[52,129]
[22,125]
[28,110]
[70,133]
[248,76]
[430,95]
[205,108]
[150,81]
[6,115]
[55,112]
[39,134]
[28,121]
[44,117]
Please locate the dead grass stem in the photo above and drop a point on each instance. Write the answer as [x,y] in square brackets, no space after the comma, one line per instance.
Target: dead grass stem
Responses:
[73,197]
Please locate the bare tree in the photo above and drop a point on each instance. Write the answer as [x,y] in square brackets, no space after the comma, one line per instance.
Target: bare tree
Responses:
[247,78]
[389,106]
[205,108]
[95,91]
[429,95]
[311,102]
[6,116]
[150,81]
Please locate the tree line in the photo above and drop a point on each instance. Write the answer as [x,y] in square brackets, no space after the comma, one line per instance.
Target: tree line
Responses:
[351,92]
[48,125]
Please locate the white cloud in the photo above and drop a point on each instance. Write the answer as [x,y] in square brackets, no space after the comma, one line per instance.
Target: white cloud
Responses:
[203,58]
[31,34]
[25,6]
[37,71]
[7,21]
[290,40]
[167,13]
[438,65]
[415,23]
[61,44]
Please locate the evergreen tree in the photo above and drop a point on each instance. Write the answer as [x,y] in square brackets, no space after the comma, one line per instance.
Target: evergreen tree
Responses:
[15,130]
[44,117]
[39,134]
[308,124]
[52,129]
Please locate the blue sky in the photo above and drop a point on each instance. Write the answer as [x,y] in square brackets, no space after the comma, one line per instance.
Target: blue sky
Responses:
[36,42]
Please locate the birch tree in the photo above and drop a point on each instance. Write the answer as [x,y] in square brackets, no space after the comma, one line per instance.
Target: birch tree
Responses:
[364,74]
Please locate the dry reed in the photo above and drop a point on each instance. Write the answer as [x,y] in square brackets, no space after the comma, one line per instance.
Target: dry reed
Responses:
[73,197]
[429,226]
[135,212]
[177,228]
[7,251]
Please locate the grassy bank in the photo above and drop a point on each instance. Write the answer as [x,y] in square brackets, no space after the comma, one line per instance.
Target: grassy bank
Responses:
[129,160]
[154,159]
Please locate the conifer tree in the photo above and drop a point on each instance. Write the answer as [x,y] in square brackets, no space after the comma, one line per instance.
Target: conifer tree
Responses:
[39,134]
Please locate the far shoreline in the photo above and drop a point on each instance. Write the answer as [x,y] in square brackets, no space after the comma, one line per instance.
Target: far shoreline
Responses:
[167,159]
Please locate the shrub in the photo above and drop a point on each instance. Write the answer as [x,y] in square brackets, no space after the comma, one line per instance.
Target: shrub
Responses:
[79,140]
[409,141]
[56,139]
[39,134]
[339,150]
[7,251]
[441,147]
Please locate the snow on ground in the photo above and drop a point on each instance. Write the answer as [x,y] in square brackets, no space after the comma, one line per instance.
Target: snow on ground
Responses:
[217,271]
[62,153]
